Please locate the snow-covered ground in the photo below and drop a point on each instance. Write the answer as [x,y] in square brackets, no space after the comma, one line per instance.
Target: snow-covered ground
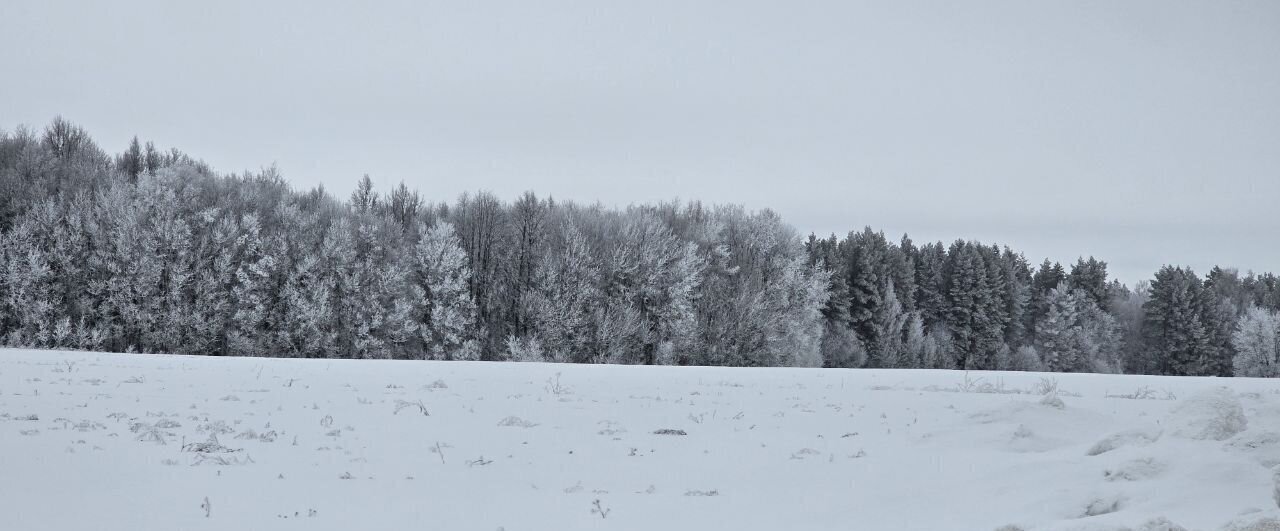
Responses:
[144,442]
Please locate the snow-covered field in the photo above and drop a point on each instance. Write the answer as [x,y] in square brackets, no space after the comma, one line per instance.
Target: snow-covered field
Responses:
[143,442]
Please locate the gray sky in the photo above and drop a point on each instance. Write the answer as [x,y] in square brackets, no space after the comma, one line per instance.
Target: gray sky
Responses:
[1143,132]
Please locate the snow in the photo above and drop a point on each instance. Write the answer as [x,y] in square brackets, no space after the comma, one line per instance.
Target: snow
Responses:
[140,442]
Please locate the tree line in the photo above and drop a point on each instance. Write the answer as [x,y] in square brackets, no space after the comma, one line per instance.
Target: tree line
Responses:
[153,251]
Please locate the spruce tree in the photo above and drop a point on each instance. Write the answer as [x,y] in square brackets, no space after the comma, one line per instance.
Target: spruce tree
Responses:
[1174,328]
[1090,276]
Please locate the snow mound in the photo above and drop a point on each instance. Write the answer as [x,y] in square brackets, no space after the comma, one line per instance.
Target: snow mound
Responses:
[1253,523]
[1159,524]
[1136,437]
[1212,414]
[1135,470]
[1103,505]
[1262,446]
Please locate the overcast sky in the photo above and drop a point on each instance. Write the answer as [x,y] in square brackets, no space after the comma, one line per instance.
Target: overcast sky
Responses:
[1143,132]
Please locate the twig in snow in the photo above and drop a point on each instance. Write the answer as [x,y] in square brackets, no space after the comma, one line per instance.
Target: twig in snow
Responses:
[598,509]
[439,449]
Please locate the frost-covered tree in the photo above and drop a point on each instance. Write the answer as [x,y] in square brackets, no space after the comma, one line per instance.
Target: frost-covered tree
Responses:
[1257,344]
[566,295]
[1059,335]
[974,316]
[446,309]
[253,290]
[528,234]
[761,302]
[31,303]
[1046,277]
[1090,276]
[1015,298]
[528,349]
[130,162]
[1102,345]
[931,295]
[654,275]
[915,343]
[1223,301]
[793,330]
[1174,326]
[889,351]
[1127,309]
[1076,335]
[867,271]
[939,348]
[479,221]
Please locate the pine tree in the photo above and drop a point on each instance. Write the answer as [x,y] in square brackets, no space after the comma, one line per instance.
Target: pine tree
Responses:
[1223,301]
[902,271]
[972,319]
[914,346]
[1174,327]
[1048,276]
[866,275]
[1101,333]
[1090,276]
[931,297]
[1016,298]
[889,351]
[1076,335]
[1059,335]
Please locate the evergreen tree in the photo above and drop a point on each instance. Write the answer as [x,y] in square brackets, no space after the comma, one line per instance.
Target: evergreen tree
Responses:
[864,253]
[1047,277]
[1174,327]
[931,295]
[975,326]
[889,350]
[1060,338]
[1016,297]
[1090,276]
[915,344]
